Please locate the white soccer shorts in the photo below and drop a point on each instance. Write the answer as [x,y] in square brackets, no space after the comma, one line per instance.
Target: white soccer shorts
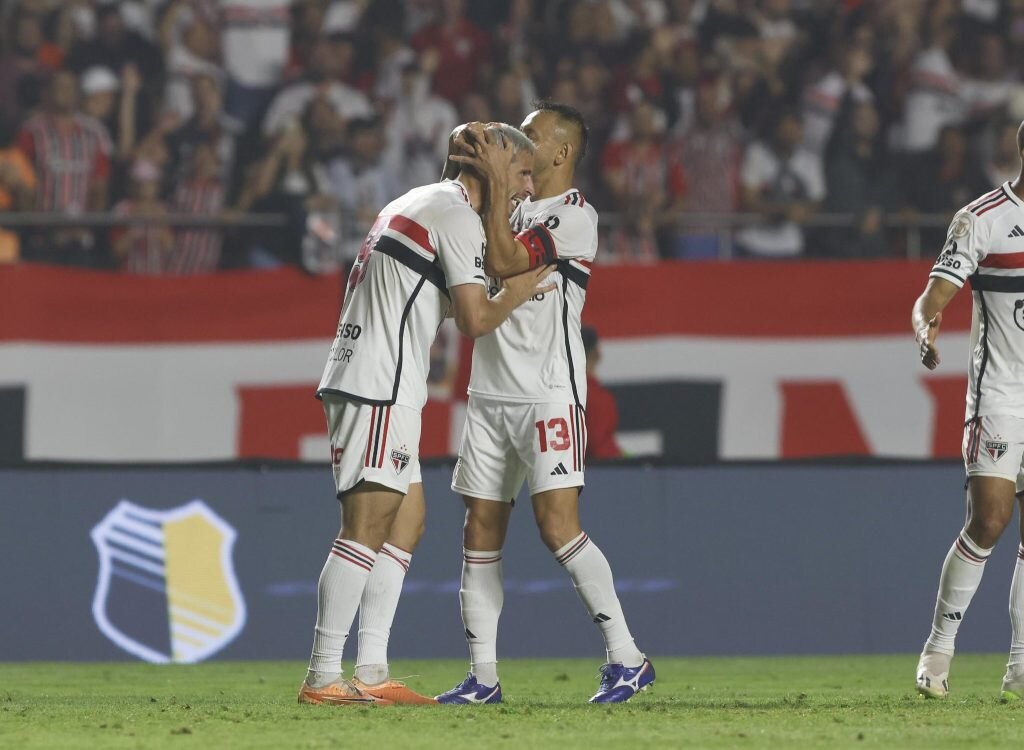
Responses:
[373,444]
[504,443]
[993,446]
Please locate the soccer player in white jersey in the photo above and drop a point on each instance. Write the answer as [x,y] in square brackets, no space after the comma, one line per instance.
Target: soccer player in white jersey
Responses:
[423,259]
[525,417]
[985,246]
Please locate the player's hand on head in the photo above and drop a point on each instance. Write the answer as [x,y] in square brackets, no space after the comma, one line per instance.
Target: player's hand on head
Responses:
[926,336]
[477,147]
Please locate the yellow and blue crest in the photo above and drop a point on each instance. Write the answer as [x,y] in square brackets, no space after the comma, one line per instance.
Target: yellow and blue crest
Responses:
[167,589]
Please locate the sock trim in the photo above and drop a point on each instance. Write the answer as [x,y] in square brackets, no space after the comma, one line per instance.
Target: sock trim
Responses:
[474,557]
[573,548]
[348,552]
[969,551]
[403,558]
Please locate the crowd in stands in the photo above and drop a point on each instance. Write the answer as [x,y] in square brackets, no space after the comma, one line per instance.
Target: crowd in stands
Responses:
[321,111]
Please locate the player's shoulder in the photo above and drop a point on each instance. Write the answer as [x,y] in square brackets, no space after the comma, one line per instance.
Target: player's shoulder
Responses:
[574,206]
[986,210]
[434,202]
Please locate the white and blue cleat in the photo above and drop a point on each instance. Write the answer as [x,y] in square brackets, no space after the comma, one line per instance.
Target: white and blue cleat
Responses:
[471,691]
[619,683]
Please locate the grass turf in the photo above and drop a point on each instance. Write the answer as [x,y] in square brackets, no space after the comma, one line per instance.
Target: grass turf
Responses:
[818,702]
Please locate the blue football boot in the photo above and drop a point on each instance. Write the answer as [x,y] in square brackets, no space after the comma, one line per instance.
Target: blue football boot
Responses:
[471,691]
[619,683]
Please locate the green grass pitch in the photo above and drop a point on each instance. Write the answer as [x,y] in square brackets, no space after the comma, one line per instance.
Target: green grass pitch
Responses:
[816,702]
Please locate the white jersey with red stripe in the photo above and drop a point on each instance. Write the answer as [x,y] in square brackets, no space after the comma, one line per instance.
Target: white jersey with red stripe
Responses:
[422,243]
[985,245]
[536,356]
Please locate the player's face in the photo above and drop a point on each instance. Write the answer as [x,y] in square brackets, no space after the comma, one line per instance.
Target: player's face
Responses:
[521,175]
[542,129]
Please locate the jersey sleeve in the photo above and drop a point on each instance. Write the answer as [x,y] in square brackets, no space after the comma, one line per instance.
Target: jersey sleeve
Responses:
[966,246]
[458,238]
[567,232]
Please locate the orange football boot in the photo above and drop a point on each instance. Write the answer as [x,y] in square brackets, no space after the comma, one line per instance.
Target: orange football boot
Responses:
[394,691]
[339,693]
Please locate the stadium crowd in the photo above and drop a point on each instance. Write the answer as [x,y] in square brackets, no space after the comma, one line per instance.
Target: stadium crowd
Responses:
[323,110]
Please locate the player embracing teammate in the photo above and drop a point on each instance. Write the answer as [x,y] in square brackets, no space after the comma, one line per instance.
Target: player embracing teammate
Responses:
[527,400]
[422,260]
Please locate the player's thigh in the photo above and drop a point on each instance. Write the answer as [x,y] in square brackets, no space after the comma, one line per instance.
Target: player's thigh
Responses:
[993,450]
[551,441]
[374,444]
[488,466]
[409,523]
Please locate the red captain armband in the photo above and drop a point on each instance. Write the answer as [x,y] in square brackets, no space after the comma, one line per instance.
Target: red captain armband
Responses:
[539,244]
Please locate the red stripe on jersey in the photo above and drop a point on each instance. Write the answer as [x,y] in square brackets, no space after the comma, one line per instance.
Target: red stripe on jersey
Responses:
[994,205]
[1003,260]
[415,232]
[984,198]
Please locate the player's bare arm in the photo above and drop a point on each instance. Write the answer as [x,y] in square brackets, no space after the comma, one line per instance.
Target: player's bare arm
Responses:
[477,315]
[927,318]
[476,147]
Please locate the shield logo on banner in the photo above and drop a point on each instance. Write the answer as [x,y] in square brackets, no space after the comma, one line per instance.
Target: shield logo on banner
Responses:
[167,590]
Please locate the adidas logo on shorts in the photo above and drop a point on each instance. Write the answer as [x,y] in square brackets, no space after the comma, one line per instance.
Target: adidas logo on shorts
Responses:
[559,470]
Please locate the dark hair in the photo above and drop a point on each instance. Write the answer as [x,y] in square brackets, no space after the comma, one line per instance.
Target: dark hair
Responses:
[569,115]
[589,334]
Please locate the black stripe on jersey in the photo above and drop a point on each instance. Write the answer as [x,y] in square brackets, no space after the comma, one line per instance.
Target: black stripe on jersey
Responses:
[1009,194]
[950,274]
[377,448]
[568,349]
[429,270]
[1000,196]
[1009,284]
[571,272]
[401,336]
[984,352]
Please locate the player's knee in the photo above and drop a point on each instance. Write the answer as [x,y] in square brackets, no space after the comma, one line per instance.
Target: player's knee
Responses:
[557,529]
[984,529]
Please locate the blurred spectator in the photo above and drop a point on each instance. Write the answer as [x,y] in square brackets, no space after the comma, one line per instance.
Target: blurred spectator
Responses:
[1004,162]
[113,104]
[116,46]
[71,157]
[710,153]
[944,179]
[142,248]
[200,192]
[602,414]
[330,63]
[293,178]
[859,180]
[17,188]
[644,181]
[822,100]
[935,98]
[208,124]
[20,68]
[61,35]
[255,40]
[191,48]
[783,182]
[461,49]
[417,131]
[513,92]
[363,183]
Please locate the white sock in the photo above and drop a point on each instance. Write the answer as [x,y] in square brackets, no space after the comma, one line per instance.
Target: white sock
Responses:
[961,574]
[377,613]
[482,596]
[341,587]
[592,576]
[1017,612]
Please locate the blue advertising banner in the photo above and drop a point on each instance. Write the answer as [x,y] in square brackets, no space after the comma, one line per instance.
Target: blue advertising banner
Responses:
[182,564]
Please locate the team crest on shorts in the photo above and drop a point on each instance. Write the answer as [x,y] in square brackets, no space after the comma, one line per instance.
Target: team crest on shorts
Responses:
[400,459]
[995,448]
